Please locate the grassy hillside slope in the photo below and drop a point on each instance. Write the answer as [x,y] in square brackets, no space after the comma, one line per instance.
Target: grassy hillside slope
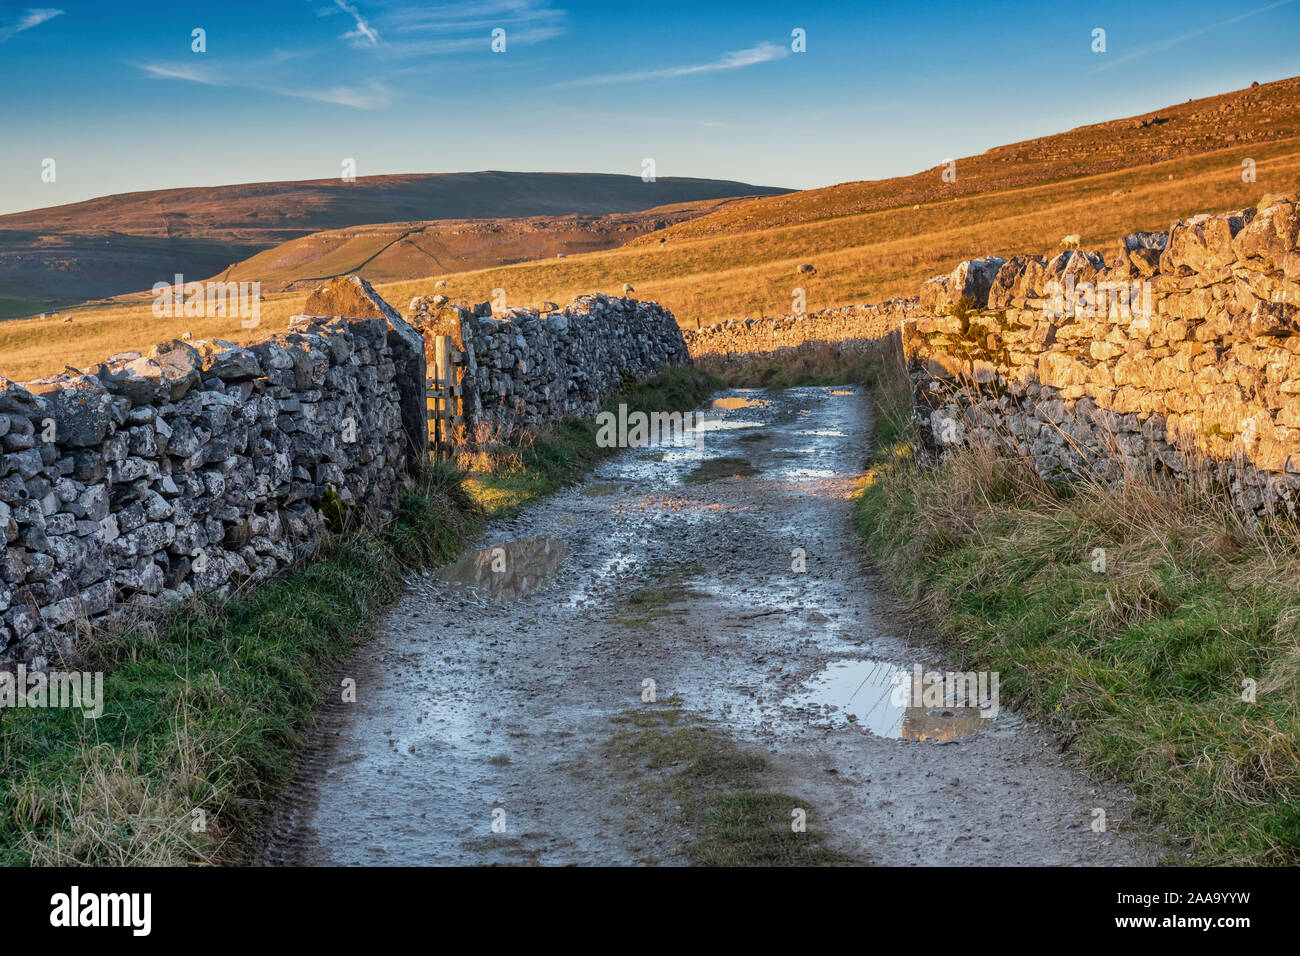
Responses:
[398,251]
[1242,119]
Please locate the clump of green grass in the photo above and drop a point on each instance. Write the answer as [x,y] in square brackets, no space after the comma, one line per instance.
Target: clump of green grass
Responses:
[731,819]
[421,536]
[1140,665]
[662,587]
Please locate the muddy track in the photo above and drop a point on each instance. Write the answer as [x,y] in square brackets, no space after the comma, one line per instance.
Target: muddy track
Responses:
[496,689]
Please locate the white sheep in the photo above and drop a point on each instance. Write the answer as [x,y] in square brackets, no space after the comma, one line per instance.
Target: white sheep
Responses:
[1072,241]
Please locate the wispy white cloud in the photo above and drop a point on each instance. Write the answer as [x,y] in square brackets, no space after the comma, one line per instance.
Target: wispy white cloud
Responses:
[467,27]
[1161,45]
[368,95]
[736,60]
[162,71]
[437,46]
[477,16]
[371,95]
[34,17]
[447,28]
[424,33]
[363,30]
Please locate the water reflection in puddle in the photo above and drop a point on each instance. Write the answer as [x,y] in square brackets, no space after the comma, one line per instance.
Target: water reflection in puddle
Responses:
[601,489]
[873,696]
[811,473]
[719,425]
[507,571]
[739,401]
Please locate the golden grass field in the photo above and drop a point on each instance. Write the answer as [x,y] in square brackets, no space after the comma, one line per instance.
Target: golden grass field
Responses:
[862,257]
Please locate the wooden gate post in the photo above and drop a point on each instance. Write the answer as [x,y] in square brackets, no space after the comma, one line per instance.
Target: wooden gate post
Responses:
[444,396]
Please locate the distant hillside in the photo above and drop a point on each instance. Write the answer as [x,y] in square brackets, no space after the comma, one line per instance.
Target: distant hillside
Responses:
[395,251]
[1261,114]
[102,247]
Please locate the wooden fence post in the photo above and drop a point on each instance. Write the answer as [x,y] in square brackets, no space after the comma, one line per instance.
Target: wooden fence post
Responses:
[444,396]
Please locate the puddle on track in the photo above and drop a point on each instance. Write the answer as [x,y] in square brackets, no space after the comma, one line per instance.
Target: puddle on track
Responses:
[721,424]
[507,571]
[733,402]
[873,695]
[603,489]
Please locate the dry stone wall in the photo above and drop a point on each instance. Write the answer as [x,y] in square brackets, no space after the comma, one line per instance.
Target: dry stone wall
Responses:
[856,329]
[192,469]
[525,368]
[1179,349]
[202,466]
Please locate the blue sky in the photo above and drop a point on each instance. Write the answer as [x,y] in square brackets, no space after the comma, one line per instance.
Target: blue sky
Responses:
[287,89]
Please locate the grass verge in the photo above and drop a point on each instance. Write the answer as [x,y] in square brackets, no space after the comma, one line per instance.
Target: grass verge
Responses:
[1134,616]
[681,762]
[824,366]
[205,707]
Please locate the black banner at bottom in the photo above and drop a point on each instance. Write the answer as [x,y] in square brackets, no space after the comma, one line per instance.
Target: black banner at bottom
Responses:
[336,905]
